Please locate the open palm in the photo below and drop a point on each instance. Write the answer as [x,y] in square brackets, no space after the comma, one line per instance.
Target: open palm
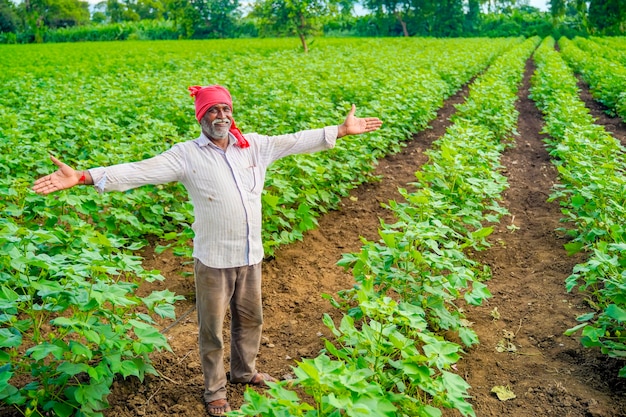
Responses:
[62,178]
[357,125]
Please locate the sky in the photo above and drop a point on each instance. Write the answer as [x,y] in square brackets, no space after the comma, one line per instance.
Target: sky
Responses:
[540,4]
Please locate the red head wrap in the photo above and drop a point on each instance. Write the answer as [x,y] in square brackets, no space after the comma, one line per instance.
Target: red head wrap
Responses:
[206,97]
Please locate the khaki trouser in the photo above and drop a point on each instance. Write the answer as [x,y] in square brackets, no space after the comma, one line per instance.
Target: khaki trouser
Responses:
[216,290]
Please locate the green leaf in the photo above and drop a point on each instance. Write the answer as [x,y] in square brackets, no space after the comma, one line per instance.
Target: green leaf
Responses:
[10,337]
[148,335]
[585,317]
[479,293]
[129,367]
[573,248]
[72,368]
[574,329]
[482,233]
[578,201]
[615,312]
[7,390]
[430,411]
[270,199]
[468,336]
[62,409]
[41,351]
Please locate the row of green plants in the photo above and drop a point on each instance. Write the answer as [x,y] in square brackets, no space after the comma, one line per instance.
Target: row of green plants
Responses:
[591,192]
[389,356]
[122,31]
[618,43]
[69,267]
[601,70]
[610,48]
[298,190]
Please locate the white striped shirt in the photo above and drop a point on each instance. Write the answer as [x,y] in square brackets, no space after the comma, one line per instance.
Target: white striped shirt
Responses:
[224,187]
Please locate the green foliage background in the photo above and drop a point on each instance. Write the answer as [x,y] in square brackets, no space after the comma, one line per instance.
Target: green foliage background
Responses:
[76,20]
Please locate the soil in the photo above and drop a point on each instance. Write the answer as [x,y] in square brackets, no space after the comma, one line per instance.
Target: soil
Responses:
[550,374]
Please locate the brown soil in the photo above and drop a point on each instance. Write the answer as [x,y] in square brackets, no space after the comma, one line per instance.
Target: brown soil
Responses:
[550,374]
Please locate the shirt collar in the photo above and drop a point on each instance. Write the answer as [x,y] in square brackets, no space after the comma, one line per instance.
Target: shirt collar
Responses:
[203,140]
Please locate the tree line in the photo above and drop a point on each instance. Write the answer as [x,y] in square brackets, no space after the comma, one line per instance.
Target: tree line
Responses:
[25,21]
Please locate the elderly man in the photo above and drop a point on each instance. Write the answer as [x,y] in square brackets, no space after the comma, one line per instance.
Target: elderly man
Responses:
[223,172]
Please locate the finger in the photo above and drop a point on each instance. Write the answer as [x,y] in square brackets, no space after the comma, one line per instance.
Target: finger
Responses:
[352,110]
[41,181]
[56,161]
[373,125]
[45,182]
[44,186]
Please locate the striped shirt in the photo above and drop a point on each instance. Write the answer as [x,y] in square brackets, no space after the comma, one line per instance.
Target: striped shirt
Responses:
[224,186]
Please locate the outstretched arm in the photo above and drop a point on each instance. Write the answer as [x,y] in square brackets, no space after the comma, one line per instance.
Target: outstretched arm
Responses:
[357,125]
[62,178]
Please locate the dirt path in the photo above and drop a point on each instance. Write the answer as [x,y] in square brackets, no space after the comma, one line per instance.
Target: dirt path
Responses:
[550,373]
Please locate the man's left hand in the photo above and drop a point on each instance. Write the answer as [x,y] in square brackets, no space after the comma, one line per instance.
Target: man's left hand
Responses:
[357,125]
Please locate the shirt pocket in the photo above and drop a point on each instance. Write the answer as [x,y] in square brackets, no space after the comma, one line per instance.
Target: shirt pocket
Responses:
[251,179]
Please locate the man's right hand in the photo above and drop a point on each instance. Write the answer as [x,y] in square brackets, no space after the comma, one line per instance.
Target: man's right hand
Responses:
[64,177]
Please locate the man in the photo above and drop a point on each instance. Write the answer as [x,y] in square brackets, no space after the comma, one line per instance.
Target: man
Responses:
[223,172]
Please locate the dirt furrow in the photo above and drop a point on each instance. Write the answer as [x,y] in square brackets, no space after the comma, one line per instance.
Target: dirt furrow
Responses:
[549,373]
[613,125]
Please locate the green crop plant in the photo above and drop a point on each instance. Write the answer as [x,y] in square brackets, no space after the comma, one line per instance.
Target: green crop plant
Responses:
[591,192]
[71,319]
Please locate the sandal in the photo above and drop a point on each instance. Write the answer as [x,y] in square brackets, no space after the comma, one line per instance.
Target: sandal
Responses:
[218,408]
[260,378]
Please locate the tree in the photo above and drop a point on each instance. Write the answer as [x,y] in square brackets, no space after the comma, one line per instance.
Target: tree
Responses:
[449,17]
[65,13]
[40,15]
[132,10]
[472,18]
[292,17]
[557,10]
[114,11]
[9,20]
[608,16]
[147,9]
[399,10]
[219,17]
[186,18]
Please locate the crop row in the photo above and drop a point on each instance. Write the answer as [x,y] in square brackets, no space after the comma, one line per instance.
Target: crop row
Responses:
[613,48]
[69,271]
[606,77]
[389,357]
[592,192]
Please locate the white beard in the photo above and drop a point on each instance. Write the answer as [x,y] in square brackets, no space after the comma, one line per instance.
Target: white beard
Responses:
[215,131]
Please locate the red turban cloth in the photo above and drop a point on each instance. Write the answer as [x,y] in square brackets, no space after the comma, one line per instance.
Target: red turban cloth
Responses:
[206,97]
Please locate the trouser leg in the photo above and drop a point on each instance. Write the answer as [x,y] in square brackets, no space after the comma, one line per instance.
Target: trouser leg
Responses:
[213,294]
[216,289]
[247,324]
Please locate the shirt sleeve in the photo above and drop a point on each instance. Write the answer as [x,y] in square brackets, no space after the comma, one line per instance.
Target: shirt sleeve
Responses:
[160,169]
[306,141]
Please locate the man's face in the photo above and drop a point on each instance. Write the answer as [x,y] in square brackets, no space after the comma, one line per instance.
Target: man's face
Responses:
[216,121]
